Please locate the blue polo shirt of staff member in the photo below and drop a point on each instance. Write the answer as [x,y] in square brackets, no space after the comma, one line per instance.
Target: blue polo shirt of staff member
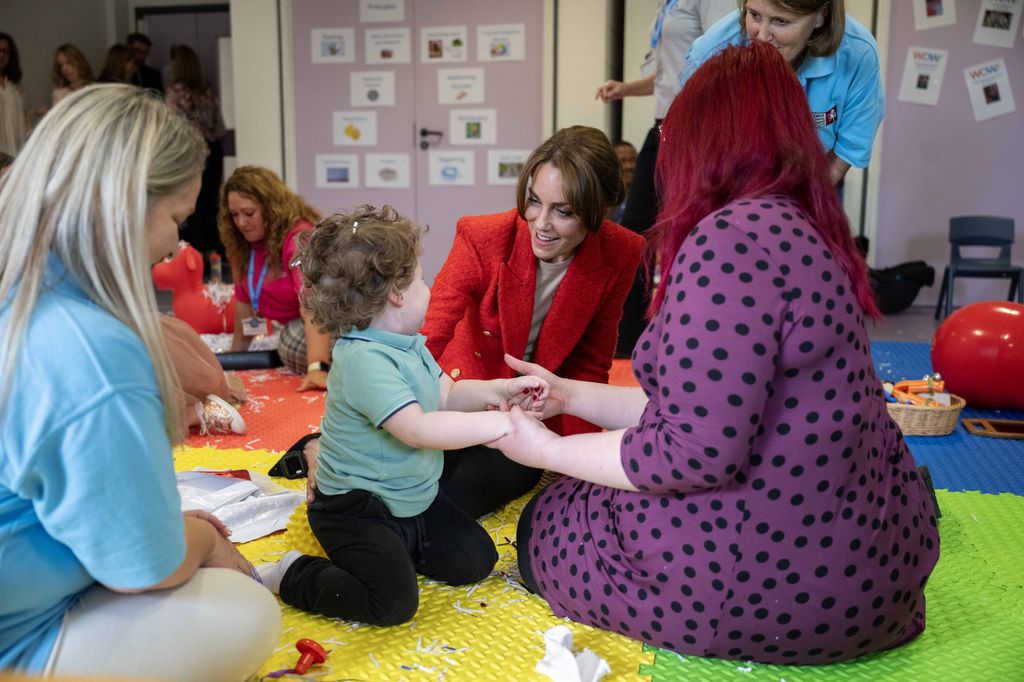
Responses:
[834,57]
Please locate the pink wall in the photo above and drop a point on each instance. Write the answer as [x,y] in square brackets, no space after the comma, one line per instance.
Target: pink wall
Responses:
[937,162]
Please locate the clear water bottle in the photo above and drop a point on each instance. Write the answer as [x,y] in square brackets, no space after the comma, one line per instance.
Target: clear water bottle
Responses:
[215,267]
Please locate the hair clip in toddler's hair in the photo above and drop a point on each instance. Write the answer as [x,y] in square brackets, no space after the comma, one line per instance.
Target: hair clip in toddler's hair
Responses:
[355,224]
[295,262]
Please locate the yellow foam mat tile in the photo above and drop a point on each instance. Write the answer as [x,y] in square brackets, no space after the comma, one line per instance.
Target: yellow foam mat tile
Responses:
[492,630]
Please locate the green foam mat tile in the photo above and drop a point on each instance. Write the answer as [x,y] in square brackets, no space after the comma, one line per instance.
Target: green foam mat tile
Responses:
[975,611]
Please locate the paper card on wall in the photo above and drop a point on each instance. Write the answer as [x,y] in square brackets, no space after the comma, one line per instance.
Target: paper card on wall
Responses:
[371,11]
[923,74]
[355,128]
[450,167]
[501,42]
[934,13]
[387,170]
[460,86]
[334,45]
[989,87]
[473,126]
[997,22]
[503,165]
[337,171]
[372,88]
[388,46]
[443,44]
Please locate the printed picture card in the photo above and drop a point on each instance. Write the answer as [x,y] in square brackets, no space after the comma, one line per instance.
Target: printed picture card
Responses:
[460,86]
[355,128]
[388,46]
[334,45]
[374,11]
[337,171]
[387,170]
[473,126]
[988,85]
[934,13]
[923,73]
[451,167]
[443,44]
[372,88]
[997,22]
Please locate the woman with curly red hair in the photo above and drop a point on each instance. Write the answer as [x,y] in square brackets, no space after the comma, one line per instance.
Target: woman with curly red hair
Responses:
[260,223]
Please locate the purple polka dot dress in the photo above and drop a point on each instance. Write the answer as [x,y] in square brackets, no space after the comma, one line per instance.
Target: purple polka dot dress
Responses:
[781,518]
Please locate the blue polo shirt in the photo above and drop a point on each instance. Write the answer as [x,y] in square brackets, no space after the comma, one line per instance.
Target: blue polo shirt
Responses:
[87,490]
[374,375]
[844,90]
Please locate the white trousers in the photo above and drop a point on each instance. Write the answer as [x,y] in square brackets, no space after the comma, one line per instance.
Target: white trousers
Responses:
[220,625]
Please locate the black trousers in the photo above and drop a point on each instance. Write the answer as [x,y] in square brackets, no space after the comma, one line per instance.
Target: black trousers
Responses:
[375,556]
[200,230]
[641,211]
[480,479]
[523,532]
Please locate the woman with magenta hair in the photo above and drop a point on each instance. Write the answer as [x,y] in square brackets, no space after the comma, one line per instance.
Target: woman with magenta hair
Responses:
[752,499]
[834,57]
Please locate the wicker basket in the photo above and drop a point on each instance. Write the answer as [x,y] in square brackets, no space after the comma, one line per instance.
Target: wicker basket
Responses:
[917,420]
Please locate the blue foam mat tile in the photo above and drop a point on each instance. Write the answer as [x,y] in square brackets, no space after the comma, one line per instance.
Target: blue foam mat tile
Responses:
[960,461]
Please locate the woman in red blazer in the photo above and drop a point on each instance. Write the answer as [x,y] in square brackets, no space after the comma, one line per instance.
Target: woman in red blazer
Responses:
[545,281]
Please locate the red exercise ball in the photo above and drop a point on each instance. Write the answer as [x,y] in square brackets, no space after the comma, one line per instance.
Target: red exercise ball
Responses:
[979,351]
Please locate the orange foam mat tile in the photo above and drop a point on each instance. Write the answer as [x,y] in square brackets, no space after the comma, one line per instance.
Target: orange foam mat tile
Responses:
[276,413]
[621,373]
[489,631]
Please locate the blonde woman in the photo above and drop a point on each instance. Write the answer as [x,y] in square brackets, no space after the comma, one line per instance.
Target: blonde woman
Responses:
[98,561]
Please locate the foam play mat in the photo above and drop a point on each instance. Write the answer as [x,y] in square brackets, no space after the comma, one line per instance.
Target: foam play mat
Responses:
[493,630]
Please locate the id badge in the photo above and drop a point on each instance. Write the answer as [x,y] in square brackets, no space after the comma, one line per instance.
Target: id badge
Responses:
[648,66]
[254,326]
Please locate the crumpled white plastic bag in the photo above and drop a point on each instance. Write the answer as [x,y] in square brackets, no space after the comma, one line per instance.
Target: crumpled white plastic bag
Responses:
[562,664]
[250,509]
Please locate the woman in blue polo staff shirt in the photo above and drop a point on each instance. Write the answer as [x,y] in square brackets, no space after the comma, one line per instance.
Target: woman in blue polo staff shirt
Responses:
[101,574]
[835,59]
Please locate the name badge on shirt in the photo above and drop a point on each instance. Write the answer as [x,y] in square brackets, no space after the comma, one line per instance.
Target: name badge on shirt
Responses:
[823,119]
[255,325]
[648,66]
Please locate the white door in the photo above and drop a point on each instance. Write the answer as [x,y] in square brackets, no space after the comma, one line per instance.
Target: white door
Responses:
[429,106]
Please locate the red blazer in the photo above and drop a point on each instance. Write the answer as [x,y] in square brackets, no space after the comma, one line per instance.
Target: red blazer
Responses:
[481,304]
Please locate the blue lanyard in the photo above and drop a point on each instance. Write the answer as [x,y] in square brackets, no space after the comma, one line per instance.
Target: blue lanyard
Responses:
[660,22]
[254,295]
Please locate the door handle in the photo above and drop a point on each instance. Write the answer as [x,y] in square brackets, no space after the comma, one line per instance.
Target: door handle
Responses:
[425,137]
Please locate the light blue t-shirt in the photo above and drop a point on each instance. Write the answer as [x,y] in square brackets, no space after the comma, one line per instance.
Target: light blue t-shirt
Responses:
[87,490]
[844,89]
[375,374]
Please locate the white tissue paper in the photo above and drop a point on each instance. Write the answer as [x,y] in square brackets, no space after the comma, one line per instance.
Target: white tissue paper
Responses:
[562,664]
[249,508]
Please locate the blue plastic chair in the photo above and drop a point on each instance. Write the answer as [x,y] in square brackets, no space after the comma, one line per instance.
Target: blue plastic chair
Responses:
[979,230]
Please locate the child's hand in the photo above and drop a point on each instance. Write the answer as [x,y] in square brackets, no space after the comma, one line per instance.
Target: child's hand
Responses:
[528,392]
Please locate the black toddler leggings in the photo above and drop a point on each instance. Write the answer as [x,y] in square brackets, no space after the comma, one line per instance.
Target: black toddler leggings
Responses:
[480,479]
[375,556]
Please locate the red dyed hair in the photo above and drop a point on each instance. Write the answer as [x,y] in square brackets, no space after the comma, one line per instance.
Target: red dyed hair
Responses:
[741,128]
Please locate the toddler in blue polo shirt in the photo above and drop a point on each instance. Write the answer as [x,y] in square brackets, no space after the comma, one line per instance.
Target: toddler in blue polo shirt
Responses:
[390,412]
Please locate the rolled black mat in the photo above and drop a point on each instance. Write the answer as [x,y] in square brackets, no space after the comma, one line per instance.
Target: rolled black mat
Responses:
[253,359]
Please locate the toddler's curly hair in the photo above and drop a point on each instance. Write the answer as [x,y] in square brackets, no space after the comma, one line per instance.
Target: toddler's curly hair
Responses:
[352,261]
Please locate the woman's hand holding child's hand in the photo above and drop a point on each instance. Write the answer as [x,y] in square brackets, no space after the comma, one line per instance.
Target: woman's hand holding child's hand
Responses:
[526,442]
